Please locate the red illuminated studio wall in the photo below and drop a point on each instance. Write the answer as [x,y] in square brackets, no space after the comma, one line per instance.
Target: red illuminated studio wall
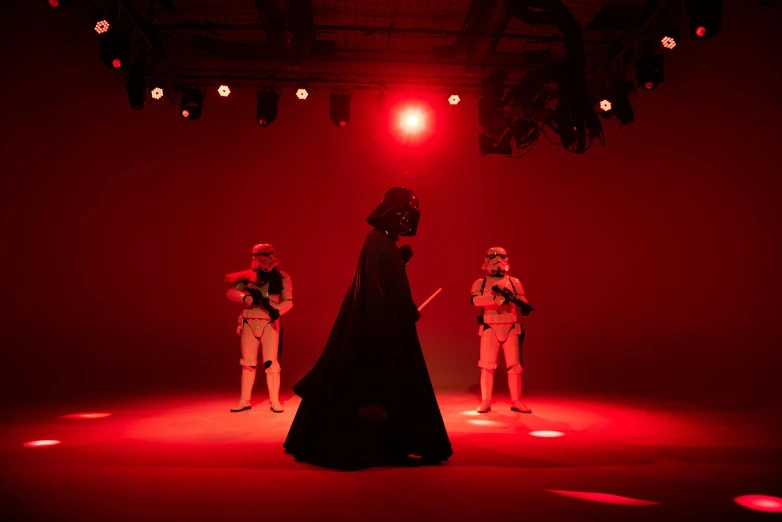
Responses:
[653,262]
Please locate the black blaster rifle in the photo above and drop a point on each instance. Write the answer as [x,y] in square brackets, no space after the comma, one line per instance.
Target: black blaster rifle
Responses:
[525,307]
[264,302]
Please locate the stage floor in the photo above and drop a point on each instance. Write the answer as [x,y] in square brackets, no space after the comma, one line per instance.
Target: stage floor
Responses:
[185,457]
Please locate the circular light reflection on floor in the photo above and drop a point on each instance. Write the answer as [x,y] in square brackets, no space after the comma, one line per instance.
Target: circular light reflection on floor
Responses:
[91,415]
[765,503]
[41,443]
[546,434]
[481,422]
[605,498]
[472,413]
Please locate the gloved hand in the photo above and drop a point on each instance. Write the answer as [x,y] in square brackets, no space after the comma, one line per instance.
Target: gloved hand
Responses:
[407,253]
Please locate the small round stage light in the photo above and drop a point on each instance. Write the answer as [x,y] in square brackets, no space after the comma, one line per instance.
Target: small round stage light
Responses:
[668,42]
[41,443]
[343,123]
[700,31]
[116,63]
[85,416]
[157,93]
[54,3]
[546,434]
[101,27]
[302,94]
[649,86]
[185,113]
[605,105]
[224,91]
[765,503]
[454,99]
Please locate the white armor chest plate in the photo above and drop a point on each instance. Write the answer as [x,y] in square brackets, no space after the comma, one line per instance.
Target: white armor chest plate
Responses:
[493,314]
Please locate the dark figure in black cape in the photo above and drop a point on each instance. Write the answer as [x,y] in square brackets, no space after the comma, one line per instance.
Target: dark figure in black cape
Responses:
[368,401]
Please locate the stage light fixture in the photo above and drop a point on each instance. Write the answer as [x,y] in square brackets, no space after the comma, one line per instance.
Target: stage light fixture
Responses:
[157,93]
[266,109]
[669,42]
[605,105]
[650,70]
[102,26]
[454,99]
[192,103]
[302,93]
[114,50]
[58,3]
[223,91]
[705,18]
[137,87]
[339,109]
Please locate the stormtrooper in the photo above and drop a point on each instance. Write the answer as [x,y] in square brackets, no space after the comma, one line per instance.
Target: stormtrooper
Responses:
[267,293]
[502,301]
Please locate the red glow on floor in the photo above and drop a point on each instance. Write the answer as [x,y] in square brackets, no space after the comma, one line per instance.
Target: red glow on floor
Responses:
[91,415]
[765,503]
[41,443]
[605,498]
[117,63]
[700,31]
[546,434]
[471,413]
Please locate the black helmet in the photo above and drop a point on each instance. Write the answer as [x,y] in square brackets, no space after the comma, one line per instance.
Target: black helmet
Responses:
[398,213]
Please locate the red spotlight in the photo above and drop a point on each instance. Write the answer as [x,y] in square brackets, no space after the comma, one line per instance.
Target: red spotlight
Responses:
[412,120]
[185,113]
[700,31]
[224,91]
[157,93]
[649,86]
[765,503]
[54,3]
[546,434]
[343,123]
[302,94]
[82,416]
[454,99]
[605,105]
[41,443]
[669,42]
[116,63]
[102,26]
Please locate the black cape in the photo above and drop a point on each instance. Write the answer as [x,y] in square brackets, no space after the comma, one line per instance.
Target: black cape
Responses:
[369,401]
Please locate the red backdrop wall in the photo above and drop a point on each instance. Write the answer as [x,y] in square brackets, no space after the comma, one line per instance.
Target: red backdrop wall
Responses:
[653,262]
